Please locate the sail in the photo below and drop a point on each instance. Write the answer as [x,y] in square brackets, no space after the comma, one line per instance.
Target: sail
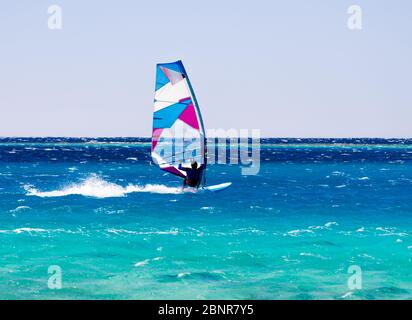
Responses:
[178,133]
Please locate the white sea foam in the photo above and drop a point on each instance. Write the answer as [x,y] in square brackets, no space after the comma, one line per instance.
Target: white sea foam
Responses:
[332,223]
[207,208]
[21,230]
[182,274]
[32,231]
[295,233]
[341,186]
[308,254]
[155,232]
[367,256]
[146,261]
[327,225]
[142,263]
[29,230]
[20,208]
[347,294]
[390,232]
[97,187]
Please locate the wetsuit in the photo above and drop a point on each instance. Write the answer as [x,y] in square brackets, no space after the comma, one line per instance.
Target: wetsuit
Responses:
[193,176]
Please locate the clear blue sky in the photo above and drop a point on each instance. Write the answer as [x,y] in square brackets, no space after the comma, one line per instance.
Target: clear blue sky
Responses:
[290,68]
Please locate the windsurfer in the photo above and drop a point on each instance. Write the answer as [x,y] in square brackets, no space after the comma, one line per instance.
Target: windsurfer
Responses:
[193,175]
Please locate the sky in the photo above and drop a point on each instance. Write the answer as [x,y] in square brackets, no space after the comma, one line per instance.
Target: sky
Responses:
[288,68]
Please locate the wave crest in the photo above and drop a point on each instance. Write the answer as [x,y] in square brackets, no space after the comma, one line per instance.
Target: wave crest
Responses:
[97,187]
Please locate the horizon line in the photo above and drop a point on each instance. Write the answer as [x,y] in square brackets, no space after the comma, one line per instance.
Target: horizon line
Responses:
[227,137]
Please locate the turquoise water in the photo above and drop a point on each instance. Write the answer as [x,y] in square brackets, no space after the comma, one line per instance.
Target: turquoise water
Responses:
[119,228]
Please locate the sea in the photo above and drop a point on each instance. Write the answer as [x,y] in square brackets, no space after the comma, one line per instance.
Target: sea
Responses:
[95,218]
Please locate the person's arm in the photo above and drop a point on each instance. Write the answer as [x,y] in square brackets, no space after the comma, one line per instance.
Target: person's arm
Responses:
[182,168]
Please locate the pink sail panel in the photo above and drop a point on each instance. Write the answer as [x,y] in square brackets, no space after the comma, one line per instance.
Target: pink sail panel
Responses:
[174,171]
[155,136]
[189,116]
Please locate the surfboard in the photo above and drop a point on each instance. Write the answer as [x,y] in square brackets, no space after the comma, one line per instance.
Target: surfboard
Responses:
[218,187]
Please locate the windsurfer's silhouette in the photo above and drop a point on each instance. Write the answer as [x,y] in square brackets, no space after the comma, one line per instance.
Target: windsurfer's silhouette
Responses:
[193,175]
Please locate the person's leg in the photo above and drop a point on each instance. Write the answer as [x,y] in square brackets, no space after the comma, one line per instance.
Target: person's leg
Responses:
[184,184]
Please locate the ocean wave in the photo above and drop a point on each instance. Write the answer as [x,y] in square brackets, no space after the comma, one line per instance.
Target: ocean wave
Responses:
[21,230]
[347,295]
[367,256]
[32,231]
[311,229]
[146,261]
[155,232]
[297,232]
[142,263]
[330,224]
[313,255]
[390,232]
[199,276]
[97,187]
[207,208]
[20,208]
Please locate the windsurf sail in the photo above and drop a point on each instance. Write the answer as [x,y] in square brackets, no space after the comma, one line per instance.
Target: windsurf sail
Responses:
[178,135]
